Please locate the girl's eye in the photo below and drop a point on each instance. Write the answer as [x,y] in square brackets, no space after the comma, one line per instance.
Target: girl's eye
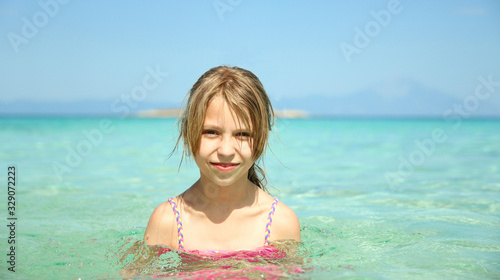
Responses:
[243,135]
[210,132]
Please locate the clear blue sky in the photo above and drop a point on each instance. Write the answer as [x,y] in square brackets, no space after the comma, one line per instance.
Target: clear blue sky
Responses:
[99,50]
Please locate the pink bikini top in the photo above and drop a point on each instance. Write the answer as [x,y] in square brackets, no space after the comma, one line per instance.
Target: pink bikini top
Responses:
[180,233]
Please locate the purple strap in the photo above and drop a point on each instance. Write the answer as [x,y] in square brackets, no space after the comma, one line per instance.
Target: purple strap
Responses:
[270,221]
[180,232]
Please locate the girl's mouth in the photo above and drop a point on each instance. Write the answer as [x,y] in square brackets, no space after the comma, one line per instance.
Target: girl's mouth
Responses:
[224,167]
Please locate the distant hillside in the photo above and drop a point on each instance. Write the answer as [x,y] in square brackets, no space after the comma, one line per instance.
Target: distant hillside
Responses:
[406,99]
[414,101]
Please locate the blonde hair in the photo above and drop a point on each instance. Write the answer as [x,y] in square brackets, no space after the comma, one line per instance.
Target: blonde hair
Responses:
[245,96]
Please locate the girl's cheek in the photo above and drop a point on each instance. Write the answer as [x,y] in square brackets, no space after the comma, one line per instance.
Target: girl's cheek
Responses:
[206,144]
[246,147]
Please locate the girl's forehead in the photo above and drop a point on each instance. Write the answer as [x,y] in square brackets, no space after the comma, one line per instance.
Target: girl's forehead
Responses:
[219,114]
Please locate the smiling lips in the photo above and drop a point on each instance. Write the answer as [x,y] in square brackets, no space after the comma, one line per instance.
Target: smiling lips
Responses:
[224,167]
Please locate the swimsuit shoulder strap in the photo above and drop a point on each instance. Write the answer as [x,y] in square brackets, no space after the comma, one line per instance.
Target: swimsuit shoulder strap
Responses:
[270,221]
[180,232]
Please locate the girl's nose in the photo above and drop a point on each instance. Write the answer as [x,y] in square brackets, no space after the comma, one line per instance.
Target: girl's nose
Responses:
[226,146]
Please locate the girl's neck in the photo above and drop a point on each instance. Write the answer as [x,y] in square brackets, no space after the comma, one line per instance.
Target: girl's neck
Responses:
[205,194]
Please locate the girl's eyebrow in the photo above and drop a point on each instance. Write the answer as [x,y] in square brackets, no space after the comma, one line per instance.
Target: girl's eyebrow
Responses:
[212,126]
[217,127]
[243,129]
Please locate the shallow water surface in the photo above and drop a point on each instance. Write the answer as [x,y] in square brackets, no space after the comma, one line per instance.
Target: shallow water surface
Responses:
[83,203]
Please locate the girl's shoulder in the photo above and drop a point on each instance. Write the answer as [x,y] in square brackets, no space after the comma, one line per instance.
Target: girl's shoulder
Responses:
[285,224]
[161,229]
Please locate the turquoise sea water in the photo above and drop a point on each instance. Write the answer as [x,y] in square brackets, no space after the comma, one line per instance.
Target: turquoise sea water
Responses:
[376,199]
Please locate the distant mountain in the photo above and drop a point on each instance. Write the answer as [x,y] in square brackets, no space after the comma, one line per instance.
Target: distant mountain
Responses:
[393,99]
[412,101]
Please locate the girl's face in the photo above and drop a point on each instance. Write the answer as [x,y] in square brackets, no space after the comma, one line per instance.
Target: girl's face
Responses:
[225,154]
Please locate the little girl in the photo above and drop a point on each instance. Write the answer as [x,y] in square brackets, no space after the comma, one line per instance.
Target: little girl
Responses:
[225,129]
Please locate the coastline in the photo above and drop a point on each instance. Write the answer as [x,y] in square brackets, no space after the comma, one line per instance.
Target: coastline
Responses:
[175,113]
